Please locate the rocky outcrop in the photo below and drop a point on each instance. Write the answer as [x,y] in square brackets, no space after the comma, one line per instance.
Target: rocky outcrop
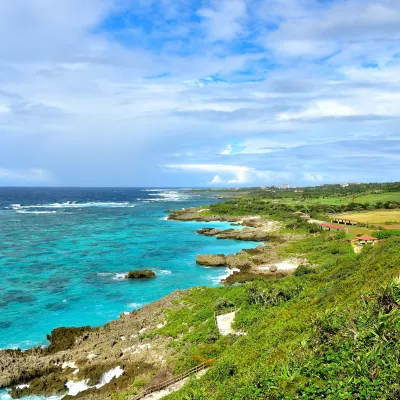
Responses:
[64,338]
[245,234]
[237,262]
[209,231]
[87,353]
[211,260]
[194,214]
[142,274]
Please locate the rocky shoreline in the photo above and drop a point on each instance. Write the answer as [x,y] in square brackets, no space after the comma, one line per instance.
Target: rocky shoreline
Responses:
[95,363]
[247,264]
[83,356]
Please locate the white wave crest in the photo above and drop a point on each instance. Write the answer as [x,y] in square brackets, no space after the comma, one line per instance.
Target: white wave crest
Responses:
[76,387]
[120,276]
[72,204]
[164,272]
[35,212]
[135,306]
[169,195]
[219,278]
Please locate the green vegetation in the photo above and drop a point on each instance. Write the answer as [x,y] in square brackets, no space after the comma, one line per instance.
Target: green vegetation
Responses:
[329,330]
[384,234]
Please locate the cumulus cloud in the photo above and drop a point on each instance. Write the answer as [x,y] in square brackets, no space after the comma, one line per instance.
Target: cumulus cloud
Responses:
[238,174]
[124,85]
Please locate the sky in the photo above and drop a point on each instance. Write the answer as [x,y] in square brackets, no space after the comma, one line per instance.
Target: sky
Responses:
[194,93]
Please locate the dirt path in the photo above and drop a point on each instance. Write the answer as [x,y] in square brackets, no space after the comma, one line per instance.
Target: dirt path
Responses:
[224,323]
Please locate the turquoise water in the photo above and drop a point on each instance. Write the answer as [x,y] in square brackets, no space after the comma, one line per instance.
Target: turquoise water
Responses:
[63,253]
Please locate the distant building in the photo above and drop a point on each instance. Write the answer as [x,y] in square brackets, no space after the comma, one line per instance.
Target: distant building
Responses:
[299,191]
[365,239]
[285,186]
[263,187]
[350,183]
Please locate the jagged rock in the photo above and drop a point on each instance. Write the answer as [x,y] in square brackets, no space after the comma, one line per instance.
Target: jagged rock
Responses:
[211,260]
[238,262]
[209,231]
[245,234]
[48,385]
[64,338]
[143,274]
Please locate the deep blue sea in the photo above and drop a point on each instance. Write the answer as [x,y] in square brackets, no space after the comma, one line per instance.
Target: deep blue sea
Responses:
[64,253]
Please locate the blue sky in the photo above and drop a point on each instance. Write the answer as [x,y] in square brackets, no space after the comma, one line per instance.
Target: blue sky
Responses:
[199,92]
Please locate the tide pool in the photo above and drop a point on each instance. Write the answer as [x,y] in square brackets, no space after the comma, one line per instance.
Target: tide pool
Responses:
[64,253]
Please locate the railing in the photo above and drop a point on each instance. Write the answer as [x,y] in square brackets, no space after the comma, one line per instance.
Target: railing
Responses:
[175,379]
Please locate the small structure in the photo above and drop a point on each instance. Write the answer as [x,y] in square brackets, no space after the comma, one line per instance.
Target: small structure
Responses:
[343,221]
[365,239]
[332,227]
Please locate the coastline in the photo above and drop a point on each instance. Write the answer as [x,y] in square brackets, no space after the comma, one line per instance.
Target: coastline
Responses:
[70,347]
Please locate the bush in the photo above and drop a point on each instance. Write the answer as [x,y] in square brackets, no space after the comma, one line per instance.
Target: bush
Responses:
[222,303]
[303,270]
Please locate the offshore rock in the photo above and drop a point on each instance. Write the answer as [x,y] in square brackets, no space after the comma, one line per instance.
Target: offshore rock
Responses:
[143,274]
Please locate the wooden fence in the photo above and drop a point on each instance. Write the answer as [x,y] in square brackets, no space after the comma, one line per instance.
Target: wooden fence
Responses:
[175,379]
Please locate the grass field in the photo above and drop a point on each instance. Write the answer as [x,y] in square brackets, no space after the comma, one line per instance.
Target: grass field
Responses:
[371,198]
[373,217]
[354,231]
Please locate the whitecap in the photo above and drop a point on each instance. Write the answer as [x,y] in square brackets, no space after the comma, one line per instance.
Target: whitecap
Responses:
[108,376]
[169,195]
[135,306]
[35,212]
[71,204]
[25,386]
[76,387]
[164,272]
[120,276]
[219,278]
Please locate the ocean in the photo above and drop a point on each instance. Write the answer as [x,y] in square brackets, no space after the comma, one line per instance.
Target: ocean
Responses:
[64,253]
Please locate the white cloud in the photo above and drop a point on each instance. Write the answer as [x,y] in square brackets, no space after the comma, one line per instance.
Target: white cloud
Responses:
[227,150]
[217,179]
[28,176]
[224,20]
[241,174]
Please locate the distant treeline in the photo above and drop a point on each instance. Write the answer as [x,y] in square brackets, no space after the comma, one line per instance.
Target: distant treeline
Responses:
[261,206]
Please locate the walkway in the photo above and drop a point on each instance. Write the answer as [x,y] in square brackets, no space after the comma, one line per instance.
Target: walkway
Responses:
[172,388]
[224,323]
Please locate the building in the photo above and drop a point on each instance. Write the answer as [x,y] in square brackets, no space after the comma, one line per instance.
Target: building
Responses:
[365,239]
[332,227]
[343,221]
[285,186]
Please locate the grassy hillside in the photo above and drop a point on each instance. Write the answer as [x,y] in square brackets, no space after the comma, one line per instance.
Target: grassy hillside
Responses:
[331,331]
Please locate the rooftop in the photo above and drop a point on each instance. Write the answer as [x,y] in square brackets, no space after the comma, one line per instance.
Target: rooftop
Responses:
[366,237]
[333,226]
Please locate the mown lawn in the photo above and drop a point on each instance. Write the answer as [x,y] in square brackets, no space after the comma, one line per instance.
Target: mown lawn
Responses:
[373,217]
